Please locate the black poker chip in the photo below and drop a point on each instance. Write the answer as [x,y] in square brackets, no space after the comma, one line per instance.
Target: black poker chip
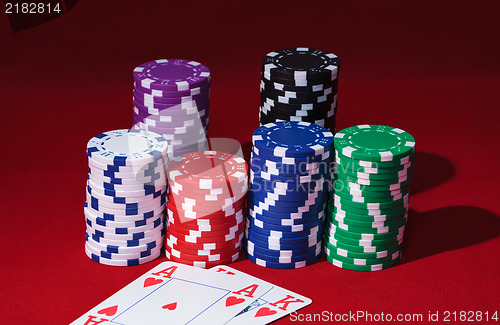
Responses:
[302,63]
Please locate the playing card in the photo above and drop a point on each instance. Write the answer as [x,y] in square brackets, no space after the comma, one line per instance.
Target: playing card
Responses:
[276,303]
[173,293]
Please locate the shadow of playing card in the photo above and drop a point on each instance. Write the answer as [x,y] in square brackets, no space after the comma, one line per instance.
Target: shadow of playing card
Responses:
[445,229]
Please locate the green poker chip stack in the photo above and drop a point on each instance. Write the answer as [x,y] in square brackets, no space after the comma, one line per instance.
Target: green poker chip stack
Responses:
[368,205]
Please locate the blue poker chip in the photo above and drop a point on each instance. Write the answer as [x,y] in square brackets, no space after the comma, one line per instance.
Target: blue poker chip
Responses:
[257,172]
[262,201]
[278,246]
[284,195]
[281,252]
[283,219]
[306,240]
[309,214]
[317,230]
[263,185]
[285,170]
[288,228]
[284,259]
[292,139]
[274,265]
[254,203]
[289,199]
[292,160]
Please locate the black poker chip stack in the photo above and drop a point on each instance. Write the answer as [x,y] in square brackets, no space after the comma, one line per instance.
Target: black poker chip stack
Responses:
[299,84]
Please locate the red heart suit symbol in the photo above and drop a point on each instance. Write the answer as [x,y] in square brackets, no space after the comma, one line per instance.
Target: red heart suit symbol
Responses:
[151,282]
[171,306]
[264,311]
[109,311]
[231,301]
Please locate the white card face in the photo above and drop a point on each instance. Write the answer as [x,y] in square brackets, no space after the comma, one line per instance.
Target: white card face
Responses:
[276,303]
[173,293]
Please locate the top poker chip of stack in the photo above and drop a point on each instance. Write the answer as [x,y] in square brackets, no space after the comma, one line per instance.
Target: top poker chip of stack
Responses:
[374,143]
[171,75]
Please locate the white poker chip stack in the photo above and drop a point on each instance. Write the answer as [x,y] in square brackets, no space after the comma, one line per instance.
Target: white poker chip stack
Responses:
[126,188]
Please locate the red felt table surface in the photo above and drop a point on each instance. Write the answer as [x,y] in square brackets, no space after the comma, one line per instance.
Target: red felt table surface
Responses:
[430,67]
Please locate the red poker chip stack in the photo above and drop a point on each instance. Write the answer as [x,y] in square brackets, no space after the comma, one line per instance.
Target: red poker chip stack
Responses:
[206,208]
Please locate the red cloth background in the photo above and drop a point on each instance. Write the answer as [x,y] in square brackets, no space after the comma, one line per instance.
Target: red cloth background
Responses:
[430,67]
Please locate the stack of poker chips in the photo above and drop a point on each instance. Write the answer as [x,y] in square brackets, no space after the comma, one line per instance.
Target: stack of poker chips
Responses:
[289,177]
[126,188]
[299,84]
[369,203]
[206,208]
[171,98]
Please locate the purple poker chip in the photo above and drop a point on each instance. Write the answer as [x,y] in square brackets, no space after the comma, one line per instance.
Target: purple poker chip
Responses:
[173,109]
[171,74]
[173,94]
[203,102]
[173,119]
[174,124]
[163,115]
[183,132]
[169,100]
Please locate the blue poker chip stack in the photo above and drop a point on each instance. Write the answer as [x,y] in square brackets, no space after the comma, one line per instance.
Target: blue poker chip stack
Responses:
[171,98]
[299,84]
[126,189]
[289,177]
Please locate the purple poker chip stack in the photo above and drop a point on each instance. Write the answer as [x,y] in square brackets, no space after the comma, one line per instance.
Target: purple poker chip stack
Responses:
[171,97]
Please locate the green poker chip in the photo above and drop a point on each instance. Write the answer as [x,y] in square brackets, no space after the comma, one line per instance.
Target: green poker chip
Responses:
[367,227]
[362,199]
[392,183]
[364,217]
[382,206]
[348,253]
[356,248]
[352,166]
[361,261]
[366,212]
[374,143]
[358,234]
[342,187]
[396,175]
[373,164]
[364,268]
[381,243]
[376,231]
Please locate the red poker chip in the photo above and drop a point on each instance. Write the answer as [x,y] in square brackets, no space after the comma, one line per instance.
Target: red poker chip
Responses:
[205,265]
[207,234]
[209,200]
[208,169]
[204,206]
[212,239]
[202,246]
[206,226]
[218,217]
[203,252]
[226,189]
[206,258]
